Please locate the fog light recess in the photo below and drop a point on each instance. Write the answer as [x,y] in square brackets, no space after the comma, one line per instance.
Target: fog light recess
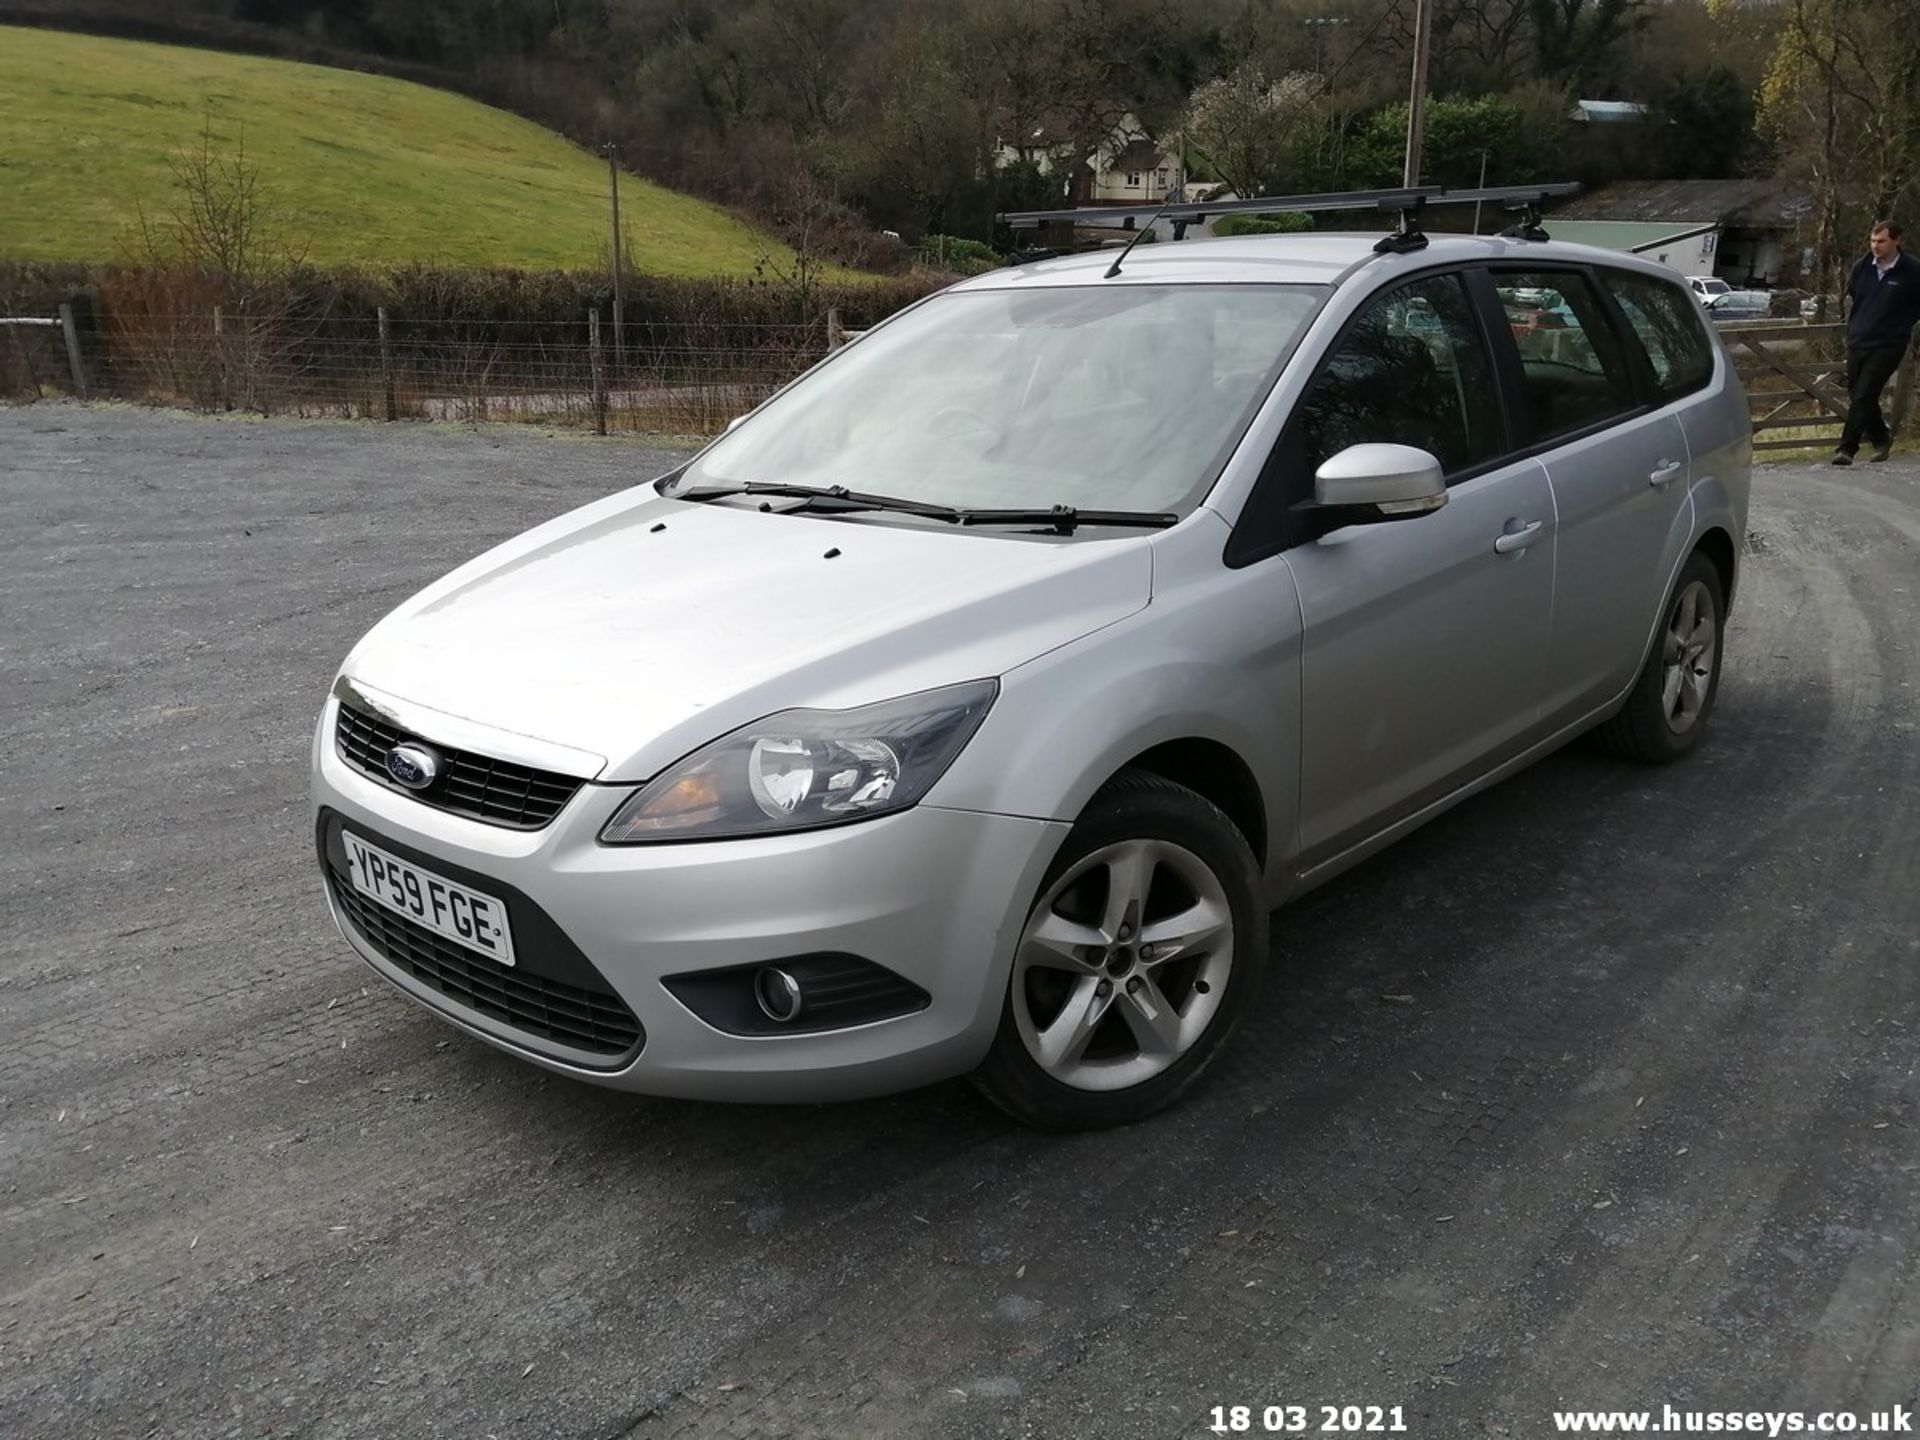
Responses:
[779,995]
[796,995]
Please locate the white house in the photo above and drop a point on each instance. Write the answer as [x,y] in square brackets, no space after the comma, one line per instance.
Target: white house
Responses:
[1130,166]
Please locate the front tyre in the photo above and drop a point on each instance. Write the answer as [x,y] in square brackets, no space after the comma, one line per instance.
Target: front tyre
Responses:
[1139,958]
[1667,712]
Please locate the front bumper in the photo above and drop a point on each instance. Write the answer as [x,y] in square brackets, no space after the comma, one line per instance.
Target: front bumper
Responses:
[936,896]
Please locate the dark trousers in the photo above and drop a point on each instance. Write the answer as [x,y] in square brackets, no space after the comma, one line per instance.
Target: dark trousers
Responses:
[1867,374]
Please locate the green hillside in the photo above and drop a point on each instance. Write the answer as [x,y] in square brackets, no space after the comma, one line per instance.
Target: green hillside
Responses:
[359,169]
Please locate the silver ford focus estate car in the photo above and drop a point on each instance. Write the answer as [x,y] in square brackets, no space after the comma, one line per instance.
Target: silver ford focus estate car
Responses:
[969,706]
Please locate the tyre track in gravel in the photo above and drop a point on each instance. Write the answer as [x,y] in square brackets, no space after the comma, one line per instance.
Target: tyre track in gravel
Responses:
[1247,1295]
[1732,1003]
[1818,1054]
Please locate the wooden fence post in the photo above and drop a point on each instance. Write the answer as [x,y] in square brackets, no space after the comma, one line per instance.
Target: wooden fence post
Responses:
[260,380]
[73,351]
[386,366]
[836,337]
[221,396]
[1903,392]
[599,373]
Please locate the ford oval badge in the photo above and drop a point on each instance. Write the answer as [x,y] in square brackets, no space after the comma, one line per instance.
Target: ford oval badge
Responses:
[414,766]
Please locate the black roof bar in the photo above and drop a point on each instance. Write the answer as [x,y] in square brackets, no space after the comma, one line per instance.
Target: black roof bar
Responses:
[1405,201]
[1408,236]
[1528,226]
[1199,209]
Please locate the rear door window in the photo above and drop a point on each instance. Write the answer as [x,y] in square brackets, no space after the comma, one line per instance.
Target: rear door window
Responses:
[1575,371]
[1667,322]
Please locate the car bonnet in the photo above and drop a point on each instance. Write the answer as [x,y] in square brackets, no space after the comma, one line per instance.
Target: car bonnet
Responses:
[639,628]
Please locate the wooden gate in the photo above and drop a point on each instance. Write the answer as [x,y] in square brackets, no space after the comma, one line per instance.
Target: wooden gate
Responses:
[1796,380]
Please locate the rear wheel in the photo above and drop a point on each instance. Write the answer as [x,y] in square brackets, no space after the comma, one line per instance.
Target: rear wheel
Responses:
[1137,961]
[1667,712]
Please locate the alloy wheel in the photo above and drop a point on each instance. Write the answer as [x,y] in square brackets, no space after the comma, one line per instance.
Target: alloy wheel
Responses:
[1689,648]
[1123,965]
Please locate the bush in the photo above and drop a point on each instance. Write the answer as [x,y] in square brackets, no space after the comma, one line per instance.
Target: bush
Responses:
[955,253]
[1287,224]
[478,298]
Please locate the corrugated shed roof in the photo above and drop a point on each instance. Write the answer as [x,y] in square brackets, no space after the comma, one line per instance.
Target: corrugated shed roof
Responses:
[1762,204]
[1609,111]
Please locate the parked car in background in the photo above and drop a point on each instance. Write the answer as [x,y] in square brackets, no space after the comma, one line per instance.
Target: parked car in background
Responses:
[970,705]
[1707,286]
[1740,305]
[1528,316]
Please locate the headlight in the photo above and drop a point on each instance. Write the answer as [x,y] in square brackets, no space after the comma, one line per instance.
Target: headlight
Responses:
[802,769]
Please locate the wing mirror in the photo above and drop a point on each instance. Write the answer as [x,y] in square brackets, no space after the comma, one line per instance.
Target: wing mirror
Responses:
[1390,481]
[734,423]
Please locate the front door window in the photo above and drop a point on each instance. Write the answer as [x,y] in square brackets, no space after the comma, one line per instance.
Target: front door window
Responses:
[1411,370]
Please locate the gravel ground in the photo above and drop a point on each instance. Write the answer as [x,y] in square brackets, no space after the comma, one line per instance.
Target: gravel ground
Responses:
[1599,1092]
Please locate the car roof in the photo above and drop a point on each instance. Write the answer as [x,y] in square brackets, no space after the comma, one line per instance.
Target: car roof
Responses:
[1317,259]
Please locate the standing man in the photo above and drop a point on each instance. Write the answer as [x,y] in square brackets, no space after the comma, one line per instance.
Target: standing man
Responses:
[1883,295]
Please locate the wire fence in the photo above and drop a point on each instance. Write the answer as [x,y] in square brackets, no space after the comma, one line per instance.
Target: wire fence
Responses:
[685,378]
[679,378]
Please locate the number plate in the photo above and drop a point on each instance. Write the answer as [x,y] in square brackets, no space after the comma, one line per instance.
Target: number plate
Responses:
[451,911]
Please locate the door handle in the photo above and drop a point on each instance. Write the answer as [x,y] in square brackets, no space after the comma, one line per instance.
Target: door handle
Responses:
[1665,471]
[1518,539]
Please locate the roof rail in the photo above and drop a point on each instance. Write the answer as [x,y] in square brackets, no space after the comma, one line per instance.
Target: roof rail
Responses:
[1408,202]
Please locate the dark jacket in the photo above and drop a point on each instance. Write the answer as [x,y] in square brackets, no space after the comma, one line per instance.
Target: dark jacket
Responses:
[1883,311]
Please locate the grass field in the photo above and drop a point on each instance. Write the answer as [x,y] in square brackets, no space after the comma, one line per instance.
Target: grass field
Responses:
[357,169]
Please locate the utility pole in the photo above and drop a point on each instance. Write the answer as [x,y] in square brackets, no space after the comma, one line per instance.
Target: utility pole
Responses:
[1317,24]
[1417,102]
[619,257]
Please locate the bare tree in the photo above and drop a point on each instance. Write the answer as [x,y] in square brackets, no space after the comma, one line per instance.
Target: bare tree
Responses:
[219,219]
[1842,96]
[1249,126]
[805,215]
[1478,44]
[218,241]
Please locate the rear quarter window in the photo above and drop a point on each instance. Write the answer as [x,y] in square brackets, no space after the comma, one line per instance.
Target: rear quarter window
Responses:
[1667,322]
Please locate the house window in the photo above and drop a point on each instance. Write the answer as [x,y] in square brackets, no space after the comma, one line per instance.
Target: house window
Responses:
[1133,180]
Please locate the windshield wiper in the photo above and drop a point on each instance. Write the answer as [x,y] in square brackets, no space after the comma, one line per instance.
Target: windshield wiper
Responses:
[828,499]
[1064,518]
[838,500]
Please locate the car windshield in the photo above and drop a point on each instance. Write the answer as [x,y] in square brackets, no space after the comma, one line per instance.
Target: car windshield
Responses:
[1122,397]
[1714,287]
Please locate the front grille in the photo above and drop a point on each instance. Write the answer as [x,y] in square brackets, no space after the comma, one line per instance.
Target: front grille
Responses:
[596,1022]
[496,791]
